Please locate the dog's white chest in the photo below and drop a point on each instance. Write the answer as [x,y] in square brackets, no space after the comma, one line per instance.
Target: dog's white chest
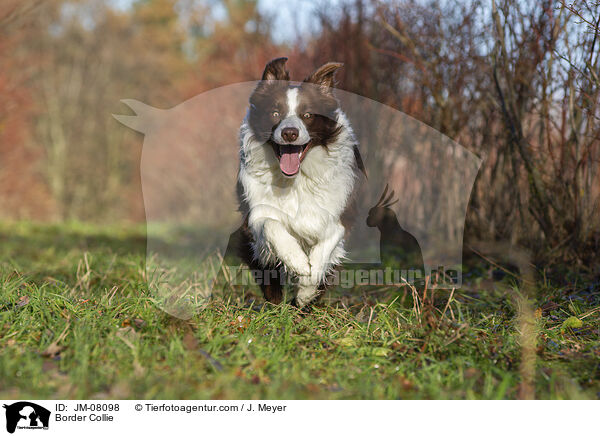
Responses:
[312,219]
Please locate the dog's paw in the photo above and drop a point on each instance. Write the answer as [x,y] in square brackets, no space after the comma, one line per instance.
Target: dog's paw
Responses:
[305,295]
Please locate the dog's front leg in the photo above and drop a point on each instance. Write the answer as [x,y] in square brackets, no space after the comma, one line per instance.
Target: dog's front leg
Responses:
[285,247]
[273,243]
[322,254]
[321,258]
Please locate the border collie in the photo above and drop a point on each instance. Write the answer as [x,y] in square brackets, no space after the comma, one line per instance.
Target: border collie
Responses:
[299,162]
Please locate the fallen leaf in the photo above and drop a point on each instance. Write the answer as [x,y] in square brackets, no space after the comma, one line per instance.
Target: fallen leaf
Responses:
[380,351]
[126,323]
[347,342]
[23,301]
[52,351]
[571,322]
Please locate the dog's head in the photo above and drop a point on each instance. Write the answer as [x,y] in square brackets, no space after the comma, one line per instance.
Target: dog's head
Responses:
[294,117]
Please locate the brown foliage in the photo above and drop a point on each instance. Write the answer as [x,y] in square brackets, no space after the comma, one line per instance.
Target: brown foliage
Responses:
[518,85]
[515,82]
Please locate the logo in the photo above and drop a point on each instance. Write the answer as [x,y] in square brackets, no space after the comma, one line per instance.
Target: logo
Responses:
[26,415]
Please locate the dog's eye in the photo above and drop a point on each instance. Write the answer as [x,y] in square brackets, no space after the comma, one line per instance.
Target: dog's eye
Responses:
[307,115]
[275,114]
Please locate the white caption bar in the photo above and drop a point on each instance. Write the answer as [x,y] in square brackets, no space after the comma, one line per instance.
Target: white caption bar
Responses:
[23,417]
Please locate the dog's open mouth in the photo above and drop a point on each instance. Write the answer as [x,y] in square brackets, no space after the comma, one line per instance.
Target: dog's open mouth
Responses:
[290,157]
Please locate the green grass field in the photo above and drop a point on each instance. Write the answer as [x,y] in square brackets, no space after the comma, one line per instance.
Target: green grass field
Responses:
[77,321]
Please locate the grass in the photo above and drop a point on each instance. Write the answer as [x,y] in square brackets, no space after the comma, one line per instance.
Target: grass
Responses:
[77,321]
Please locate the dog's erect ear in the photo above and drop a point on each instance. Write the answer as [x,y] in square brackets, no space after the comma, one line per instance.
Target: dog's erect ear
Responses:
[275,70]
[324,76]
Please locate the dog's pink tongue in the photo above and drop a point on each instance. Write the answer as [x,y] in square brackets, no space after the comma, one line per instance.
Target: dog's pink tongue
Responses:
[290,159]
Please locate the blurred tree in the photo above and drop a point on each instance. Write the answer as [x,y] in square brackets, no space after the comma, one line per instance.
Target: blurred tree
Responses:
[515,82]
[93,57]
[23,193]
[234,48]
[81,58]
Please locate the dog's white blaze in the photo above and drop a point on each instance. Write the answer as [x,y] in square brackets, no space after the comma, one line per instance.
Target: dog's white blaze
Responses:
[292,119]
[292,101]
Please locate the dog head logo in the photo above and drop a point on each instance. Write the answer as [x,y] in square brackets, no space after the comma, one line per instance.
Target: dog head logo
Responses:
[191,158]
[26,415]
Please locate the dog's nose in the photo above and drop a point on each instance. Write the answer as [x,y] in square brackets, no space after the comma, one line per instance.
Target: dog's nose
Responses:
[289,134]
